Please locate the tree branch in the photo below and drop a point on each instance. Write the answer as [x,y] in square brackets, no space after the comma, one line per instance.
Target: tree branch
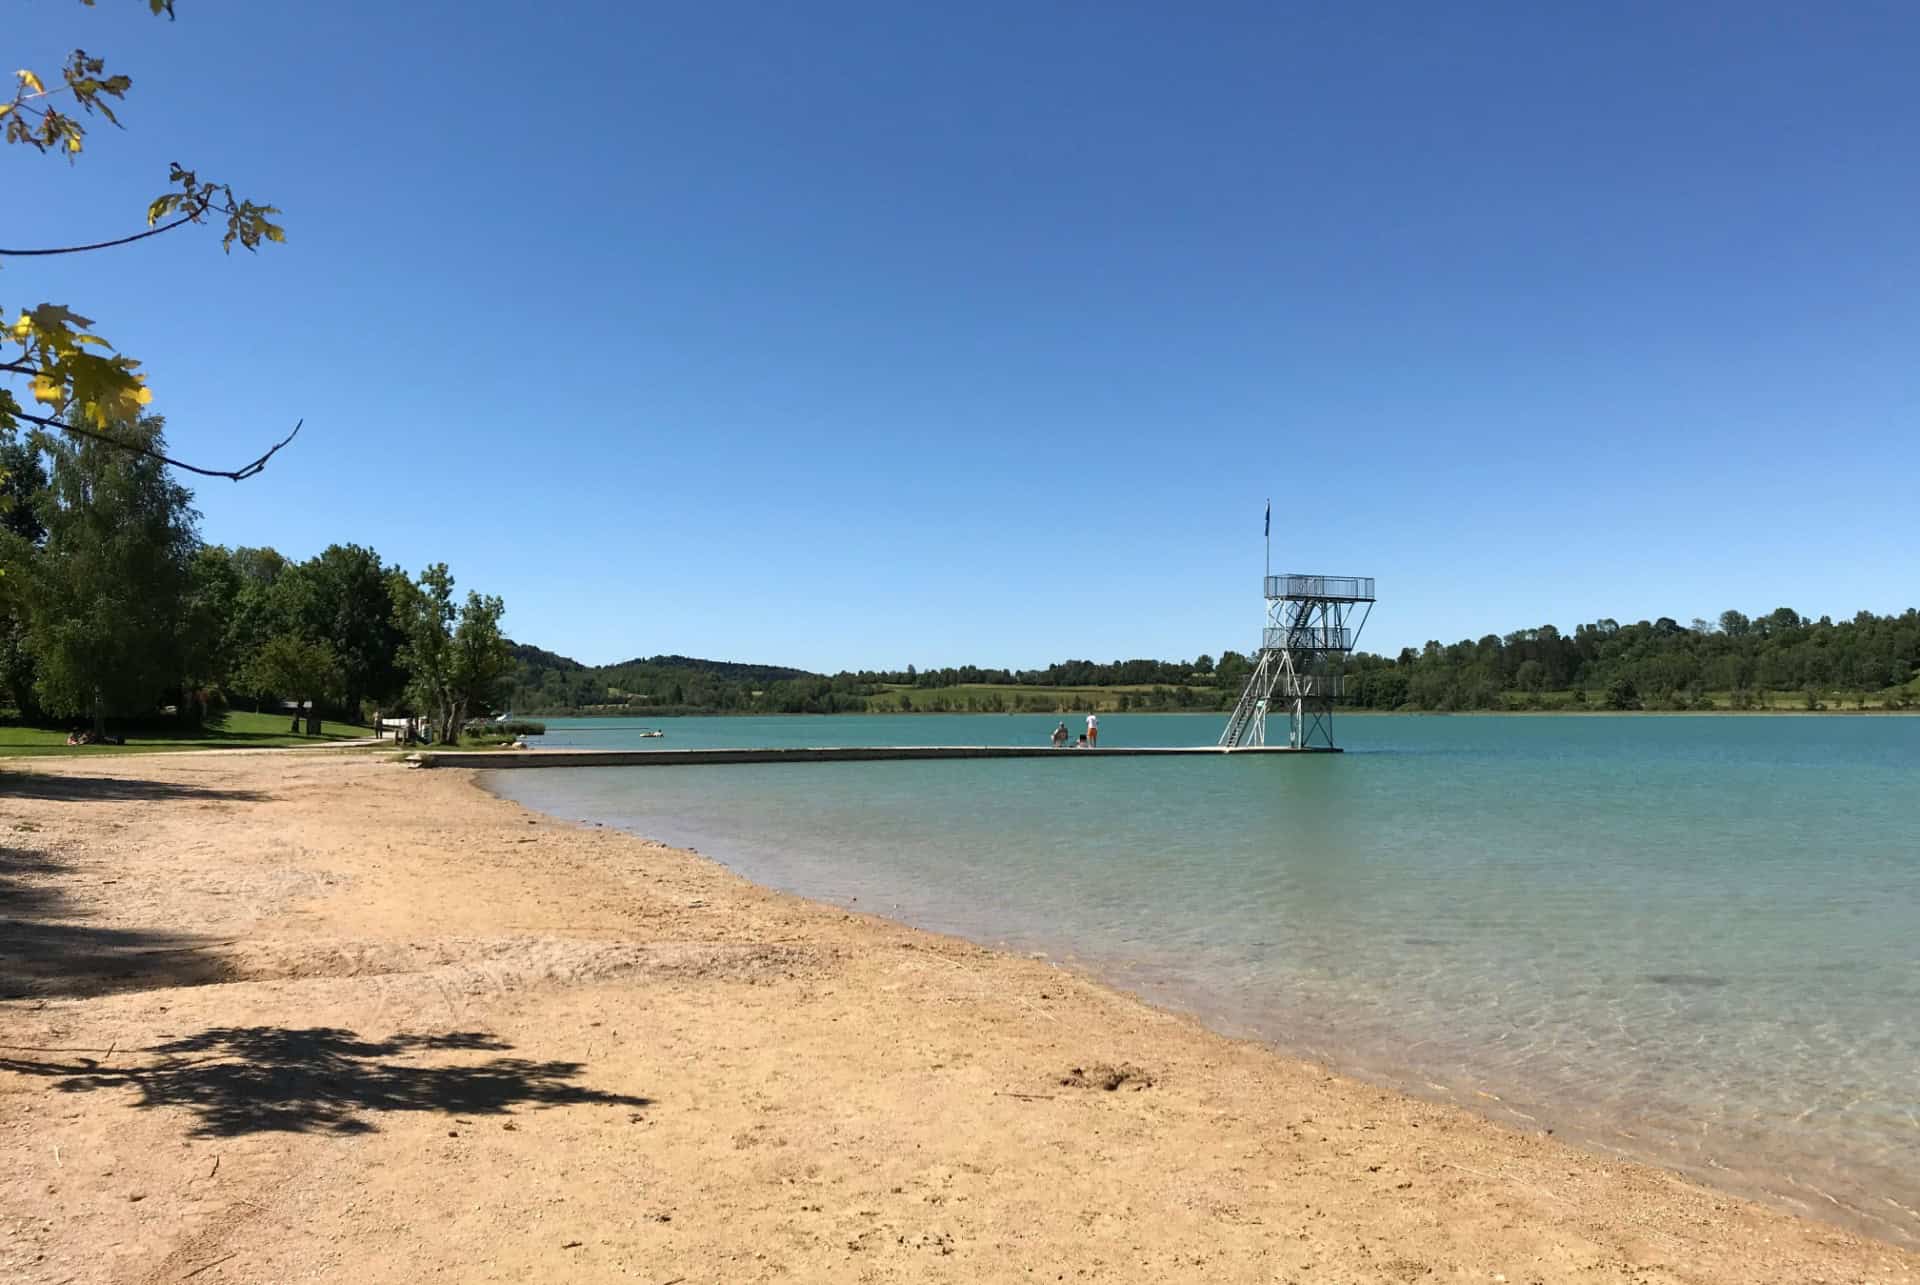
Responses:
[240,474]
[108,245]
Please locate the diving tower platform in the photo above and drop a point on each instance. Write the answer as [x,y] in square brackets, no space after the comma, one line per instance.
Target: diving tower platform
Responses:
[1313,623]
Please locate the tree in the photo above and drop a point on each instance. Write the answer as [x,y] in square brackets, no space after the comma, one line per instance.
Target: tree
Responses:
[1232,668]
[483,659]
[1783,619]
[1621,694]
[104,594]
[293,667]
[344,598]
[455,661]
[85,389]
[423,613]
[257,613]
[23,481]
[23,485]
[210,668]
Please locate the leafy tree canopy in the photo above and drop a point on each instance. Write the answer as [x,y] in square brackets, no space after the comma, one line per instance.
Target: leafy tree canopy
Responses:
[456,659]
[105,595]
[293,667]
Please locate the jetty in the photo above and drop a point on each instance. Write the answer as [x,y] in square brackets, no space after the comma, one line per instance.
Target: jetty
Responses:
[821,754]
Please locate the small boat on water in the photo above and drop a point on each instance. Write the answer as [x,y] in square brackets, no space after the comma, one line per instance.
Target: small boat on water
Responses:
[645,734]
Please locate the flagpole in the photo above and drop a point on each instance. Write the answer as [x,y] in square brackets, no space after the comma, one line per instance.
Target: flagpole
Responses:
[1269,538]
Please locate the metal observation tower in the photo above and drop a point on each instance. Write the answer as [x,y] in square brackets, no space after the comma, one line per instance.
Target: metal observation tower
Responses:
[1312,623]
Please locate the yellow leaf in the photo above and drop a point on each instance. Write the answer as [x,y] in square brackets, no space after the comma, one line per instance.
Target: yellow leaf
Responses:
[73,142]
[30,80]
[46,390]
[143,395]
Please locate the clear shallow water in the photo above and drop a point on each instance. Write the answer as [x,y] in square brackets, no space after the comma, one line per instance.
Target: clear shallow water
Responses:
[1695,940]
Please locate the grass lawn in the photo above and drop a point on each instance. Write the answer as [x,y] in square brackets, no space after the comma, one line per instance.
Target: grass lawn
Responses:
[238,731]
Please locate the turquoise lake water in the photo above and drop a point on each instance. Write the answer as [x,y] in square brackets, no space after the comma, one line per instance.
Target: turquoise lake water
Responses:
[1690,940]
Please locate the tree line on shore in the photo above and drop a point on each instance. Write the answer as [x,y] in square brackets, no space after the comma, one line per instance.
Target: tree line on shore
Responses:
[1657,664]
[112,606]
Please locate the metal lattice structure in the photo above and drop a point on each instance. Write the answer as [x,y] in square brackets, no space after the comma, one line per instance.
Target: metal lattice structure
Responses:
[1312,623]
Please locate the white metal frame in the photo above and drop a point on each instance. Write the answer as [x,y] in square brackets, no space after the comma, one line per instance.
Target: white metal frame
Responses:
[1306,637]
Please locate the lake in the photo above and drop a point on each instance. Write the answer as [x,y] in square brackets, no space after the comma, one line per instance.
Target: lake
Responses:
[1693,940]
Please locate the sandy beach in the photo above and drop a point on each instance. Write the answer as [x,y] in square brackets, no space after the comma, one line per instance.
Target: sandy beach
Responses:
[286,1017]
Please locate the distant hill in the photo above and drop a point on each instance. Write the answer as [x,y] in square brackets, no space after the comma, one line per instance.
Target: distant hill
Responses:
[1734,662]
[733,671]
[541,658]
[546,682]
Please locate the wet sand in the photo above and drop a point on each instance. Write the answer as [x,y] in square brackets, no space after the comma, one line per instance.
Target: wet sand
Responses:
[293,1016]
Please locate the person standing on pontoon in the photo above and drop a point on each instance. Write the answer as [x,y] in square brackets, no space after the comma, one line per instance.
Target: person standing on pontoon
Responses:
[1093,731]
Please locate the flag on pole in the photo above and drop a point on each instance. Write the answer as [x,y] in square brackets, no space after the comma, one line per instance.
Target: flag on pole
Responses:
[1267,528]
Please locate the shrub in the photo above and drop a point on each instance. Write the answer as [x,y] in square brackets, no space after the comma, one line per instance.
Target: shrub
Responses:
[481,727]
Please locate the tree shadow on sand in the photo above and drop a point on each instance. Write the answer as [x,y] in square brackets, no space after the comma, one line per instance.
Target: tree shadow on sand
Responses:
[47,948]
[270,1079]
[66,788]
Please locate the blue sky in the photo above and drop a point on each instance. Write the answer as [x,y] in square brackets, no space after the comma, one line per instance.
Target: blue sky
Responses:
[861,335]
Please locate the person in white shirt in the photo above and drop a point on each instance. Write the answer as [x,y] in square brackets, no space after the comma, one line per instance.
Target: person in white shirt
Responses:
[1093,731]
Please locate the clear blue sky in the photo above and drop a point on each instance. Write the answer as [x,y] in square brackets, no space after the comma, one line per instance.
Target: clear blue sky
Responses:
[860,335]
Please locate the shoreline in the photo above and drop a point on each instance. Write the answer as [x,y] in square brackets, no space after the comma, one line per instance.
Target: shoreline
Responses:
[1339,712]
[353,1019]
[1861,1190]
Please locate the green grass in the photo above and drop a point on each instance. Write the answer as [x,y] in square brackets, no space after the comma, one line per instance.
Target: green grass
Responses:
[238,730]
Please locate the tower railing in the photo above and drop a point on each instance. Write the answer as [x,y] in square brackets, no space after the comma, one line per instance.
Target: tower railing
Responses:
[1335,588]
[1313,686]
[1309,637]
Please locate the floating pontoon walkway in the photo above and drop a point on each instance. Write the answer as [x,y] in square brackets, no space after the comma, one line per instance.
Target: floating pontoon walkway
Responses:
[819,754]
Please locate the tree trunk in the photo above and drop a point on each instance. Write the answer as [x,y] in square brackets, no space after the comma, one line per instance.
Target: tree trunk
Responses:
[99,716]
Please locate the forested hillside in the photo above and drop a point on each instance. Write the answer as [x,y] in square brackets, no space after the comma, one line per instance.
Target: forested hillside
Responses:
[1658,664]
[549,684]
[1777,660]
